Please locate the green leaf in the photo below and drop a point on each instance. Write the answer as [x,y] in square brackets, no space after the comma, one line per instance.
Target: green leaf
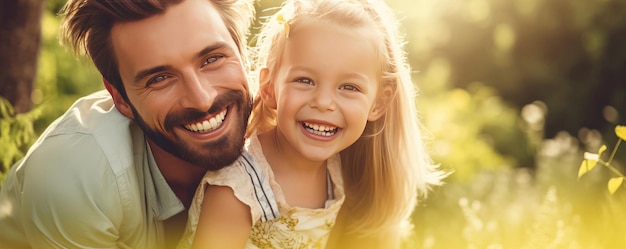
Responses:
[6,109]
[590,161]
[586,166]
[620,131]
[615,183]
[582,170]
[601,150]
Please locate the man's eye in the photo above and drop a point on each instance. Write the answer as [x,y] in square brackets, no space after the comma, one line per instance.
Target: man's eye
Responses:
[157,79]
[212,59]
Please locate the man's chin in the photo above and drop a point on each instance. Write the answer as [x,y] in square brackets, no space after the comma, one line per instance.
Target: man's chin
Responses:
[216,159]
[212,155]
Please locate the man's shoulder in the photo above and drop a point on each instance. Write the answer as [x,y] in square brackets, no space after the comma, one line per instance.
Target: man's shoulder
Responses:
[85,114]
[90,146]
[91,127]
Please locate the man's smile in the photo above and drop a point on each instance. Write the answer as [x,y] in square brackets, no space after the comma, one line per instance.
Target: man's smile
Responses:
[208,124]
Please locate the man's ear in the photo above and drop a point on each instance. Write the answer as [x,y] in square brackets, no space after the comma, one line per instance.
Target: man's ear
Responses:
[266,89]
[382,103]
[119,102]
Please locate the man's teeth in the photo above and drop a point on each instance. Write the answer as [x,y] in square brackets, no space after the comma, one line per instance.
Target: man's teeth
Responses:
[320,130]
[207,125]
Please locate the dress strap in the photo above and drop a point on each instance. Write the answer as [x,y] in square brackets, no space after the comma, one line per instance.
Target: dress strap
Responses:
[262,190]
[329,186]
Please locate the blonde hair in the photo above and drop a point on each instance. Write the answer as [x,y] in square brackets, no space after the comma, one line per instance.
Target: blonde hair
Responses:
[388,168]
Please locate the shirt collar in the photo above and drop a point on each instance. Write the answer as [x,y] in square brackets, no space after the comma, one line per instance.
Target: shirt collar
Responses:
[166,203]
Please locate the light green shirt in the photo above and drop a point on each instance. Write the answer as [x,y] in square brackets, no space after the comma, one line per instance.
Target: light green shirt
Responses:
[90,181]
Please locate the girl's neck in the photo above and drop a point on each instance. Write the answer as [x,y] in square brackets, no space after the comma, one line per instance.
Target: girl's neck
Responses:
[303,182]
[282,156]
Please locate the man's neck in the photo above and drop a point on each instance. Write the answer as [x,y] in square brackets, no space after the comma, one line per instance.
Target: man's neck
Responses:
[182,176]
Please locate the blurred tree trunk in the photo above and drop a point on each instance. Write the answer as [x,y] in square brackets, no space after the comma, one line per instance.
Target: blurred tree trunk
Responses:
[20,39]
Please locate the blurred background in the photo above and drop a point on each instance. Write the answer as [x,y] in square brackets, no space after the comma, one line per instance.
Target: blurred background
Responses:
[512,94]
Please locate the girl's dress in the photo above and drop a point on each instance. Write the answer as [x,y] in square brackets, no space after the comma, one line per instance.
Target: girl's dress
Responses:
[275,223]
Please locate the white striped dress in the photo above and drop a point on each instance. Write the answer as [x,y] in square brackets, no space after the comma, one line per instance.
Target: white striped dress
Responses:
[276,224]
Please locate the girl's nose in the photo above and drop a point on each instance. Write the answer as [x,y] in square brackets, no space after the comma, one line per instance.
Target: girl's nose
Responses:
[323,100]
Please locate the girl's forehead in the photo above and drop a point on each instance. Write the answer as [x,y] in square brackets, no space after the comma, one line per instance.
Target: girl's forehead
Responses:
[334,36]
[323,27]
[330,49]
[328,35]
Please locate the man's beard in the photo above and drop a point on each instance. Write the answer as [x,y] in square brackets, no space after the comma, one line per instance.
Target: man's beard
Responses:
[213,155]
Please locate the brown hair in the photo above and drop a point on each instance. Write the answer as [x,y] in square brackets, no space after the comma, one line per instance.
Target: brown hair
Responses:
[86,27]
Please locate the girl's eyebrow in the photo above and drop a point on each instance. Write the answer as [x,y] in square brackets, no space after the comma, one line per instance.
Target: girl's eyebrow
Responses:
[299,68]
[355,75]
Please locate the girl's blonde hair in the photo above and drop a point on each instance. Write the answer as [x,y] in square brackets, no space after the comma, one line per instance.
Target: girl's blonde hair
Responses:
[388,168]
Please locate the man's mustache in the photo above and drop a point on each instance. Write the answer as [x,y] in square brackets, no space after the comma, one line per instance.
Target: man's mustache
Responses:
[190,115]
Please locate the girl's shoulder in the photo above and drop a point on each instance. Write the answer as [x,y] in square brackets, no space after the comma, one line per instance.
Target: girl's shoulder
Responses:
[249,184]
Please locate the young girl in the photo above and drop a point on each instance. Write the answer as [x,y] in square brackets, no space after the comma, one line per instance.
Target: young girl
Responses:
[333,119]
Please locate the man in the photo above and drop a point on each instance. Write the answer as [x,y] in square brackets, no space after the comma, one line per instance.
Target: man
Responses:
[119,168]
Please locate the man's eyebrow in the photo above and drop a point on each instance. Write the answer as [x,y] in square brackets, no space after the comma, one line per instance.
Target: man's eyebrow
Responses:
[211,48]
[144,73]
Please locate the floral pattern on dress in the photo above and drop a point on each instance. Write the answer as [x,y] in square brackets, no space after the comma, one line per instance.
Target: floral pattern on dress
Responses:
[281,233]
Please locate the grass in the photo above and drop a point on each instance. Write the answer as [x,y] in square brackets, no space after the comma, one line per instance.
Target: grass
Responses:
[544,207]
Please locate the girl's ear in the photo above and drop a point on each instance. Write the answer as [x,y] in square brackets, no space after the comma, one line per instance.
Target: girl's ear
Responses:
[119,102]
[266,89]
[382,103]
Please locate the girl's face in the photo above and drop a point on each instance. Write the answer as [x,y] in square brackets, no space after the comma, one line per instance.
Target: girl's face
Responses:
[325,90]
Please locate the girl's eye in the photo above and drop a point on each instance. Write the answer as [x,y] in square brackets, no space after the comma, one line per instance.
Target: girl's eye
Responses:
[305,80]
[212,59]
[157,79]
[349,88]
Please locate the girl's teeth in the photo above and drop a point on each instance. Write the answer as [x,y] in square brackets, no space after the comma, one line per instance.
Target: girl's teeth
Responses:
[320,130]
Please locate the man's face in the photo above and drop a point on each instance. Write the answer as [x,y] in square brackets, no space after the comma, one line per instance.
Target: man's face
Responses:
[185,82]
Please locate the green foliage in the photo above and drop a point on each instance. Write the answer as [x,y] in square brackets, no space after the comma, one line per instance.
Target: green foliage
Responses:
[520,208]
[474,130]
[16,134]
[62,77]
[558,51]
[547,69]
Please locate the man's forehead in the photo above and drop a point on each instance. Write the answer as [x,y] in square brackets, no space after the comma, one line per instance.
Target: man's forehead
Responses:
[198,15]
[179,34]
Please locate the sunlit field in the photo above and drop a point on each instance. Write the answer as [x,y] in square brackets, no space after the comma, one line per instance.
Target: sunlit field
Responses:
[512,95]
[491,74]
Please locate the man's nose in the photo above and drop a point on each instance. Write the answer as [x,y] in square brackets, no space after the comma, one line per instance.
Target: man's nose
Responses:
[198,93]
